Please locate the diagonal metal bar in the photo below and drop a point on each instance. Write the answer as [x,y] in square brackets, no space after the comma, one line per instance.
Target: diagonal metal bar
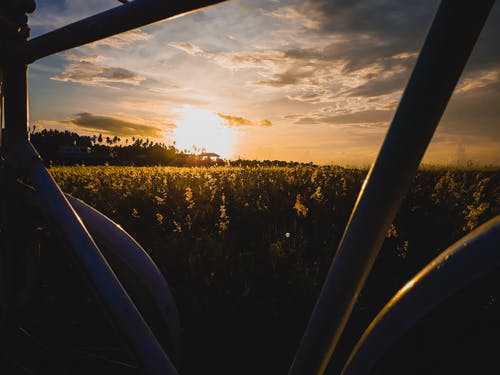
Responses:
[122,18]
[444,54]
[115,299]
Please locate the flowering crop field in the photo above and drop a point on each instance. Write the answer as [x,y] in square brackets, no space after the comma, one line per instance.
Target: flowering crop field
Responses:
[246,250]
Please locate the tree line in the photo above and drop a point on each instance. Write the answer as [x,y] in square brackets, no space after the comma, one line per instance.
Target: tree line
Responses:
[112,150]
[66,148]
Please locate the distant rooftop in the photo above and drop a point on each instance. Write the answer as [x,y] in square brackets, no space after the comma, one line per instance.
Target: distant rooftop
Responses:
[209,155]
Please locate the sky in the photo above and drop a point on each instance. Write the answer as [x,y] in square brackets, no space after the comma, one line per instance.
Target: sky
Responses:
[303,80]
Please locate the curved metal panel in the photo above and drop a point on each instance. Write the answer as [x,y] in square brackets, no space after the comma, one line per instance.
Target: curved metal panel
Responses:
[123,311]
[123,246]
[469,258]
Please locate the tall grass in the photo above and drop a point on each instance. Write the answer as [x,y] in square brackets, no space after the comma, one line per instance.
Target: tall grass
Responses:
[246,249]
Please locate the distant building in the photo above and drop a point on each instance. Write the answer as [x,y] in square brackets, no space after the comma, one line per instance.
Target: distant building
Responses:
[212,156]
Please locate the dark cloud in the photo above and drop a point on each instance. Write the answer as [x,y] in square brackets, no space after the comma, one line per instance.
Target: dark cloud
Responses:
[365,32]
[486,53]
[385,18]
[316,76]
[374,29]
[114,125]
[233,121]
[376,86]
[295,75]
[91,73]
[368,49]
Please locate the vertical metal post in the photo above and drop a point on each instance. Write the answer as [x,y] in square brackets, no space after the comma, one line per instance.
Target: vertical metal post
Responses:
[446,50]
[14,36]
[2,121]
[15,103]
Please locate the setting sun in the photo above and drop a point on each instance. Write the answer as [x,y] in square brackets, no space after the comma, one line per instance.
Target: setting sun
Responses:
[204,130]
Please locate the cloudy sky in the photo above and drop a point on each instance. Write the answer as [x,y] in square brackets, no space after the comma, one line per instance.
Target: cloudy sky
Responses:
[309,80]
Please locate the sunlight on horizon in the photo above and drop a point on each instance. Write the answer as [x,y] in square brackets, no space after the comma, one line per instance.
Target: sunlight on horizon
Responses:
[203,129]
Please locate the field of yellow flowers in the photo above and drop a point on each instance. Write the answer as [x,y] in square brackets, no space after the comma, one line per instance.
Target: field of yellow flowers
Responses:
[245,250]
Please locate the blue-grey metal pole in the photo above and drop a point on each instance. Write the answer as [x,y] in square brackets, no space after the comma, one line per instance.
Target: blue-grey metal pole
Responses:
[446,50]
[122,18]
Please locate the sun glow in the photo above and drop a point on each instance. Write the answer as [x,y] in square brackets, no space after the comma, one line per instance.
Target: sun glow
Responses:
[201,130]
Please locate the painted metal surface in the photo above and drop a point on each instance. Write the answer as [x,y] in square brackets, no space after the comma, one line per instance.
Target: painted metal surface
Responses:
[117,241]
[424,100]
[474,255]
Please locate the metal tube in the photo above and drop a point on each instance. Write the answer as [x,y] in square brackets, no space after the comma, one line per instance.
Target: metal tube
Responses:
[15,103]
[446,49]
[118,242]
[143,342]
[466,260]
[125,17]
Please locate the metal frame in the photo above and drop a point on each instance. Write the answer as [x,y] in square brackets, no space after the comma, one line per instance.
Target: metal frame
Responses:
[20,155]
[435,75]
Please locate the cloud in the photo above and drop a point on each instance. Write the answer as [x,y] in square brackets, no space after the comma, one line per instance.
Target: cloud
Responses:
[373,29]
[123,40]
[294,75]
[265,123]
[87,72]
[366,118]
[115,125]
[478,81]
[260,59]
[381,84]
[315,75]
[361,117]
[364,32]
[189,48]
[293,14]
[251,59]
[384,36]
[380,18]
[235,121]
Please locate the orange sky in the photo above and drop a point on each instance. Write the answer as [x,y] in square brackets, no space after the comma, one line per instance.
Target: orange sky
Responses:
[313,80]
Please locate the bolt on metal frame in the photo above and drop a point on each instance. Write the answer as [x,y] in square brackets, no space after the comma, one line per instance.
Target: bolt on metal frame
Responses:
[424,100]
